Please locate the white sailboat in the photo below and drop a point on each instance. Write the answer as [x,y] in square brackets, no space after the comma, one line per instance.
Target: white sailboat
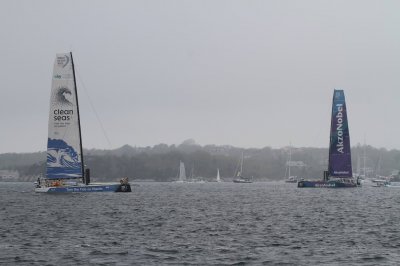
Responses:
[218,177]
[65,168]
[239,178]
[193,178]
[182,173]
[288,177]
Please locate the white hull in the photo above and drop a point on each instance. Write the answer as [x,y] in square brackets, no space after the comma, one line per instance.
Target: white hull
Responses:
[393,185]
[197,181]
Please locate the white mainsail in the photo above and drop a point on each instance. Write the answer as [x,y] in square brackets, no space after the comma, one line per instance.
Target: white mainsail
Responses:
[218,177]
[64,152]
[182,172]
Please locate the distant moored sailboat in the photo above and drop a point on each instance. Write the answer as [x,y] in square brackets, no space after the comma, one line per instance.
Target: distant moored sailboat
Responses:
[288,177]
[239,178]
[218,177]
[182,173]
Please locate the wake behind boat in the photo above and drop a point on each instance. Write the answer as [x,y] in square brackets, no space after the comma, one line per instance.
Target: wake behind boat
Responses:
[65,168]
[339,174]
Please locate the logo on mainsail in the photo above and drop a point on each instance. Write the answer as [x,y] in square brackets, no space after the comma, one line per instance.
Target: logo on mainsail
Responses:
[62,160]
[62,105]
[62,61]
[62,96]
[339,127]
[339,149]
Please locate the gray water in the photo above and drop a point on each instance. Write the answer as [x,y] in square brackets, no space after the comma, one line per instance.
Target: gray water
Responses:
[201,224]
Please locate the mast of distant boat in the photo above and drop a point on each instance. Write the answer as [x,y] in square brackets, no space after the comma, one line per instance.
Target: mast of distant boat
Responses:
[365,158]
[241,165]
[290,158]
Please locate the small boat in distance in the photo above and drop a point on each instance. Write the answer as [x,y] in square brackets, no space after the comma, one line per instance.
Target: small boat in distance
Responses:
[339,174]
[181,174]
[65,171]
[380,183]
[288,177]
[193,179]
[393,184]
[218,177]
[238,175]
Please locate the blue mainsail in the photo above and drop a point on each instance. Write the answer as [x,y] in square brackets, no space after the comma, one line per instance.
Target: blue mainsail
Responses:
[339,148]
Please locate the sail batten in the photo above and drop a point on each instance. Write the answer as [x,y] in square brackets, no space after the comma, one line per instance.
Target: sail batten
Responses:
[339,147]
[64,150]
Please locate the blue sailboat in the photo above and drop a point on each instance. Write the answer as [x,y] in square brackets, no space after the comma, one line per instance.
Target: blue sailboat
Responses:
[65,171]
[339,174]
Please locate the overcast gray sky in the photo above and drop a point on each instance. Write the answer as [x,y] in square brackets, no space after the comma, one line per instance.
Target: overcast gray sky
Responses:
[245,73]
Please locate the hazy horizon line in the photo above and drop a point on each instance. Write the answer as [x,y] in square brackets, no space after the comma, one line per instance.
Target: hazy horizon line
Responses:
[217,145]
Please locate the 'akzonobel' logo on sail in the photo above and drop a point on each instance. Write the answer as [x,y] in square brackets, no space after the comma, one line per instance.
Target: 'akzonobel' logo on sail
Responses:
[339,127]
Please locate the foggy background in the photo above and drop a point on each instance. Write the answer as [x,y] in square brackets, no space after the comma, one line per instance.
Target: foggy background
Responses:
[244,73]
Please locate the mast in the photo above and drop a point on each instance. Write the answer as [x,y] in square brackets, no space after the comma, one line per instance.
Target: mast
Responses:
[364,159]
[79,121]
[378,167]
[290,159]
[330,138]
[192,172]
[241,165]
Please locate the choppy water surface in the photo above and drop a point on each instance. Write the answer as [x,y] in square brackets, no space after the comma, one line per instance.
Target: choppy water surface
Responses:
[224,224]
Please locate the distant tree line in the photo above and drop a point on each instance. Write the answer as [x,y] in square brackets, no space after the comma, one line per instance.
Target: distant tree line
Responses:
[161,162]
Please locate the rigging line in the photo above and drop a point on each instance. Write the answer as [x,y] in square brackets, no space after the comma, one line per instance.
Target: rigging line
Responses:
[93,109]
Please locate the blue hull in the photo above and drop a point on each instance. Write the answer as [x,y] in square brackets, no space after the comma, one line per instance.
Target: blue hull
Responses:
[325,184]
[87,188]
